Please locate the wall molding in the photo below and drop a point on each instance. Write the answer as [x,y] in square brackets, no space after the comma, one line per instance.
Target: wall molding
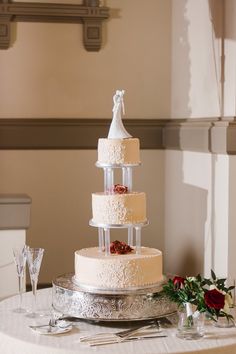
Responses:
[14,211]
[212,135]
[89,14]
[202,135]
[72,133]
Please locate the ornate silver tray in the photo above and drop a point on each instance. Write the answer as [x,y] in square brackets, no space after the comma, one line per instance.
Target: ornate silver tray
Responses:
[136,305]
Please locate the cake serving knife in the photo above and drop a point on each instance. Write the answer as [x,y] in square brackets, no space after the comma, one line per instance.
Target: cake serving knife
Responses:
[119,335]
[116,340]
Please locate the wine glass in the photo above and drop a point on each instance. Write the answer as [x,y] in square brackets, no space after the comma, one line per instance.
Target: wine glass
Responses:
[34,260]
[19,254]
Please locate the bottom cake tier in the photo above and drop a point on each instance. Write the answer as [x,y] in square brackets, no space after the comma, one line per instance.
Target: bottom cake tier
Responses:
[118,271]
[142,304]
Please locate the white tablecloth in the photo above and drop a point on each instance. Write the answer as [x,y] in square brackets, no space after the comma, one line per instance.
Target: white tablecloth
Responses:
[17,338]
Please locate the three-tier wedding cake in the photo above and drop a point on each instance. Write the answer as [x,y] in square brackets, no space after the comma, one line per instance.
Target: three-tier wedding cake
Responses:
[118,265]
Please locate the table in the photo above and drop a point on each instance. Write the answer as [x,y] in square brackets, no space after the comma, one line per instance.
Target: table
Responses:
[17,338]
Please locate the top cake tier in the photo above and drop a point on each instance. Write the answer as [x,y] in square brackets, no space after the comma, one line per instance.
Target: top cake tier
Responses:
[118,151]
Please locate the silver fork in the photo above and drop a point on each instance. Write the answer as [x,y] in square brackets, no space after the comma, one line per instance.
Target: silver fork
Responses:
[118,335]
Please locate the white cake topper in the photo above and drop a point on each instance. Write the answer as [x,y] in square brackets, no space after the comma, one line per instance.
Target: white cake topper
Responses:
[117,129]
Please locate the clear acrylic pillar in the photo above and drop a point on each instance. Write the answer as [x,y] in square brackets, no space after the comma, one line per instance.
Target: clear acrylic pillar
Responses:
[108,179]
[130,236]
[100,239]
[138,239]
[127,174]
[107,241]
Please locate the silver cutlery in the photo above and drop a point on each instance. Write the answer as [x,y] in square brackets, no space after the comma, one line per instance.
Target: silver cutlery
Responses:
[119,335]
[114,341]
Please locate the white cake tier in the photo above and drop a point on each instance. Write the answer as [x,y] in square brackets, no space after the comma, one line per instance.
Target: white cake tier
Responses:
[94,269]
[118,209]
[118,151]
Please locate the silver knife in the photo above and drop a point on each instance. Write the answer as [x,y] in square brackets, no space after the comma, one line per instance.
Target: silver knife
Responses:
[116,341]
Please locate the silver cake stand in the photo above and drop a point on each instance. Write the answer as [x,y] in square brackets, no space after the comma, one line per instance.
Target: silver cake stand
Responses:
[106,305]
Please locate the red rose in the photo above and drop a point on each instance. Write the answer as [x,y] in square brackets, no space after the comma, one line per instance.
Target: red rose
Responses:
[120,189]
[178,281]
[120,247]
[214,299]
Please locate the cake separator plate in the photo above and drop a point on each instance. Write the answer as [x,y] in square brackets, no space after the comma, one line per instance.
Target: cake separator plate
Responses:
[117,226]
[114,165]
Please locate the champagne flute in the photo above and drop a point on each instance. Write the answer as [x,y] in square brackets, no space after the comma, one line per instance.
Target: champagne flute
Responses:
[34,260]
[19,254]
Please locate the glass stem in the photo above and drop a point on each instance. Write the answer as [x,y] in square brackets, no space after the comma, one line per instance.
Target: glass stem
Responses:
[20,283]
[34,290]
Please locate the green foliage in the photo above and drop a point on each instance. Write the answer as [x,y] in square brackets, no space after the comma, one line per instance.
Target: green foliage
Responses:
[213,275]
[193,290]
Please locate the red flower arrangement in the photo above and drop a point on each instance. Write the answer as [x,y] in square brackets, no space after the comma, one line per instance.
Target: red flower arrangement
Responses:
[178,282]
[120,189]
[214,299]
[120,247]
[211,296]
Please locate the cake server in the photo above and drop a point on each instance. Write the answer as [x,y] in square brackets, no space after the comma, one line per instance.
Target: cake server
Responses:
[121,334]
[115,340]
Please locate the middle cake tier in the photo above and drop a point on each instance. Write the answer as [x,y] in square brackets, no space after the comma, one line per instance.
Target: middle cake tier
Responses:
[119,209]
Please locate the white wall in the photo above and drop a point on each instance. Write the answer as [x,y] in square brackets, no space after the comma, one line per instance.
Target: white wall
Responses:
[48,73]
[188,212]
[195,59]
[232,218]
[199,187]
[199,213]
[230,59]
